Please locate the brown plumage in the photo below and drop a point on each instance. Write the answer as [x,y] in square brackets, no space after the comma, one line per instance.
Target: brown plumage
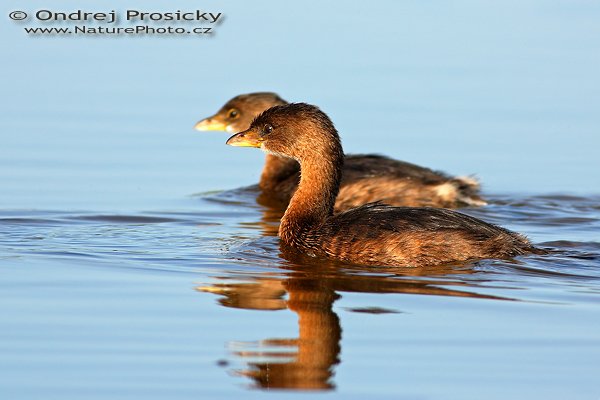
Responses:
[373,234]
[365,178]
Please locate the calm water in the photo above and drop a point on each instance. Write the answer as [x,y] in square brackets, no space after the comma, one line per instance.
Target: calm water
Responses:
[199,301]
[135,261]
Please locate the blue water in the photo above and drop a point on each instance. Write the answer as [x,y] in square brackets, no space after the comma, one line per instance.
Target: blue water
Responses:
[135,261]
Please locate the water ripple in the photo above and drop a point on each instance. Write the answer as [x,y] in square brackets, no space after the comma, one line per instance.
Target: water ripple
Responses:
[231,231]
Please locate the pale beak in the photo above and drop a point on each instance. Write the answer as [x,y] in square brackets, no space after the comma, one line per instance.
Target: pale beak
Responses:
[248,138]
[210,124]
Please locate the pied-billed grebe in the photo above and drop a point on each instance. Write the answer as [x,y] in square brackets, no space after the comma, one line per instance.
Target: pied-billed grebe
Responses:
[365,178]
[373,234]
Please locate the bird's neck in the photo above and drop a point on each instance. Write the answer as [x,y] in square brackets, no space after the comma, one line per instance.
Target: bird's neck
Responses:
[276,169]
[315,197]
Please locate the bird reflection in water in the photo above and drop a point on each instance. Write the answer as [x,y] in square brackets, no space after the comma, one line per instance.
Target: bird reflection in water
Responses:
[311,286]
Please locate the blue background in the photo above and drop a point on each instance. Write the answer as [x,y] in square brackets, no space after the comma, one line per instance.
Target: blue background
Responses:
[508,91]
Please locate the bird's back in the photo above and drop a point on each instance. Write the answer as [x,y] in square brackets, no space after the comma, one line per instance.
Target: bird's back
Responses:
[376,234]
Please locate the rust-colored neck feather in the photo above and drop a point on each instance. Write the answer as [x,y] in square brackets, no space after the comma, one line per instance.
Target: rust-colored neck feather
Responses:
[276,169]
[315,197]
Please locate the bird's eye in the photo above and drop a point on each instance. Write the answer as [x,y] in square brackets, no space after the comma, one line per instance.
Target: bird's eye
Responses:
[233,113]
[267,129]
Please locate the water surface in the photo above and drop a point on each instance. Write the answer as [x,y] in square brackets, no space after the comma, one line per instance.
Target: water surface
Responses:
[135,261]
[201,300]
